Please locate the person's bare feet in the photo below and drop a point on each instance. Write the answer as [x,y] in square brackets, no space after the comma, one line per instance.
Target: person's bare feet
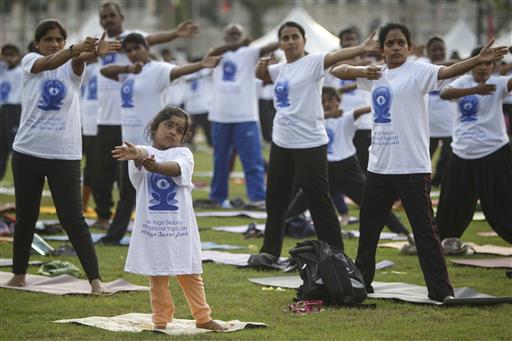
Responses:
[162,327]
[17,281]
[97,288]
[210,325]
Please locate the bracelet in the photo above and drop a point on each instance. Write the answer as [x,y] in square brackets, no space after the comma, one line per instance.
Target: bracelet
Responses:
[70,50]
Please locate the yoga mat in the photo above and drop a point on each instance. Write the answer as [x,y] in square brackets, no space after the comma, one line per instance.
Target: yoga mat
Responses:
[481,249]
[223,214]
[136,323]
[399,291]
[500,262]
[487,234]
[8,262]
[227,258]
[66,285]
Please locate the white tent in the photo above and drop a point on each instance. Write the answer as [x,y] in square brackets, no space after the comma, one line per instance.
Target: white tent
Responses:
[318,39]
[505,40]
[460,38]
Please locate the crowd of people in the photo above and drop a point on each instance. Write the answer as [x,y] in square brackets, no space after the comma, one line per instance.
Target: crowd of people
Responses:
[362,121]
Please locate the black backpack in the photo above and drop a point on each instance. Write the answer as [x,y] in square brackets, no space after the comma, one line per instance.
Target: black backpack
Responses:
[328,274]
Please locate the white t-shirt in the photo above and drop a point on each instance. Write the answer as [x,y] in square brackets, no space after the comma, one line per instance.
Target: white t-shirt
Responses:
[299,120]
[175,94]
[340,131]
[141,99]
[479,126]
[440,115]
[89,100]
[109,111]
[351,100]
[10,85]
[50,114]
[400,132]
[234,97]
[165,237]
[198,92]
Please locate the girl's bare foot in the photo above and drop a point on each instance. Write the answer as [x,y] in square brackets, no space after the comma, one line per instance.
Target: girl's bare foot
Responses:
[211,325]
[17,281]
[97,288]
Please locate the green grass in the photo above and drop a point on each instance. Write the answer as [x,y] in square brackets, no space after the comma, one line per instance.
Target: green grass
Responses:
[29,316]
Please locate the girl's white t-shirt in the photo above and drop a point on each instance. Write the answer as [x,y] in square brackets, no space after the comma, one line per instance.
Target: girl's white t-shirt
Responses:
[340,131]
[10,85]
[165,237]
[198,92]
[142,98]
[479,125]
[400,131]
[440,115]
[299,120]
[234,96]
[50,114]
[109,111]
[89,100]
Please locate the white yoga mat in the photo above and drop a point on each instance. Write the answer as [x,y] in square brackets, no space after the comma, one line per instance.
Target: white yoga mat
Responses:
[243,213]
[136,323]
[66,285]
[482,249]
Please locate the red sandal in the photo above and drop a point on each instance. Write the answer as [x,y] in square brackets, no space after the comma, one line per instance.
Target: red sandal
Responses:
[306,307]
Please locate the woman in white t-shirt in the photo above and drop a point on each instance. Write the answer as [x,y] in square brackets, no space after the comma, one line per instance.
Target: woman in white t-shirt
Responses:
[481,165]
[48,144]
[165,239]
[299,139]
[399,161]
[144,84]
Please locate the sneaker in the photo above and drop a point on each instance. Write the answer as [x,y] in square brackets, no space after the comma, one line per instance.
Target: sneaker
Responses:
[255,205]
[263,261]
[101,224]
[226,204]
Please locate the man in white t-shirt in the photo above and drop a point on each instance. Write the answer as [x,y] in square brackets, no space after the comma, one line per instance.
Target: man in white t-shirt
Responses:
[234,117]
[109,114]
[10,102]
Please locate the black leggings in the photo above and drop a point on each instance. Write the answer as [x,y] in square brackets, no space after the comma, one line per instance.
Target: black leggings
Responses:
[446,152]
[345,176]
[9,122]
[309,168]
[489,179]
[64,182]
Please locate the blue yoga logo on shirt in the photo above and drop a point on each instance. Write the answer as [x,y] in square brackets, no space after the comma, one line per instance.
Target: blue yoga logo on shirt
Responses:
[468,107]
[53,92]
[330,144]
[109,58]
[381,103]
[5,89]
[347,82]
[92,88]
[163,192]
[127,94]
[282,90]
[194,85]
[228,71]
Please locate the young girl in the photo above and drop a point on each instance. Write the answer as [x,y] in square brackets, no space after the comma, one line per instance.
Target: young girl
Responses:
[481,165]
[165,239]
[48,144]
[299,139]
[399,162]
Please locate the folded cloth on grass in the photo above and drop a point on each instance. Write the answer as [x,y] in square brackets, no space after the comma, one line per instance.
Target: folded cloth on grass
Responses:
[136,323]
[221,214]
[8,262]
[499,262]
[66,285]
[482,249]
[58,267]
[399,291]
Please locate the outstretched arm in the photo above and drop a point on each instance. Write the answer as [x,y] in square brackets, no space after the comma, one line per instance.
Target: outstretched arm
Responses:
[217,51]
[207,62]
[268,48]
[113,71]
[481,89]
[487,54]
[185,29]
[169,168]
[361,111]
[102,48]
[59,58]
[346,72]
[350,52]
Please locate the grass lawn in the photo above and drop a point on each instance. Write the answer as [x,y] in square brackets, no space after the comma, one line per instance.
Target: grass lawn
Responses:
[29,316]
